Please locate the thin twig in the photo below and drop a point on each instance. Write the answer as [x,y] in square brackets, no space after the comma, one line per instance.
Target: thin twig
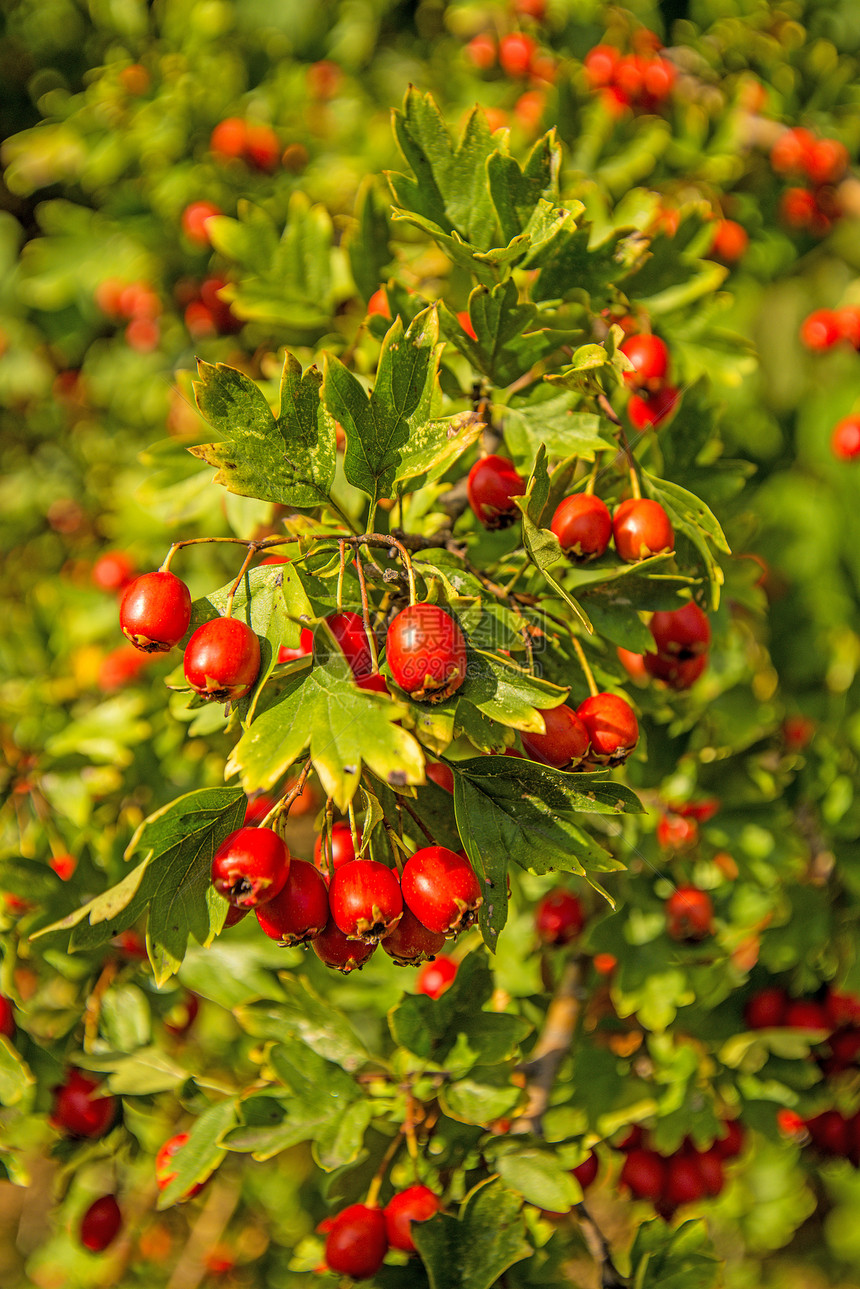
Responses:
[551,1047]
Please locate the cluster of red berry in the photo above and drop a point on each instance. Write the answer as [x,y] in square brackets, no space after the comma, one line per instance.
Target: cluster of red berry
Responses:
[836,1014]
[684,1177]
[681,638]
[653,397]
[235,139]
[205,313]
[824,328]
[640,82]
[137,302]
[517,54]
[358,1237]
[678,825]
[822,162]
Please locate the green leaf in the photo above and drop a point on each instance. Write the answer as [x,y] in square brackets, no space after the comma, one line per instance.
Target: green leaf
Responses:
[369,251]
[541,543]
[125,1018]
[15,1074]
[679,1258]
[143,1073]
[306,1018]
[288,459]
[472,1250]
[550,422]
[231,972]
[538,1176]
[483,1095]
[507,693]
[505,349]
[516,190]
[689,515]
[201,1154]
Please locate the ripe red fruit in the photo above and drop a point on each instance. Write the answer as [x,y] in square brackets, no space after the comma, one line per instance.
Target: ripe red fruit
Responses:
[415,1204]
[222,659]
[844,1049]
[101,1224]
[586,1172]
[564,743]
[250,867]
[600,64]
[826,161]
[829,1132]
[165,1173]
[227,140]
[633,664]
[410,942]
[155,611]
[791,151]
[442,775]
[378,304]
[803,1013]
[644,1173]
[365,900]
[143,335]
[730,241]
[426,652]
[262,147]
[848,322]
[845,440]
[641,528]
[338,951]
[675,832]
[357,1242]
[64,866]
[651,411]
[709,1164]
[491,487]
[339,849]
[681,633]
[842,1009]
[613,730]
[299,911]
[113,571]
[766,1009]
[481,51]
[441,889]
[195,218]
[7,1018]
[304,649]
[435,977]
[559,917]
[674,672]
[516,52]
[689,914]
[650,358]
[234,916]
[349,631]
[583,525]
[78,1111]
[820,330]
[684,1182]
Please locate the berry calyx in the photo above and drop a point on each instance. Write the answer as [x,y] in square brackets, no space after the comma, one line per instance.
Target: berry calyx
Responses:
[332,852]
[357,1242]
[681,633]
[101,1224]
[491,487]
[689,914]
[441,889]
[349,631]
[222,660]
[299,912]
[641,528]
[155,611]
[845,439]
[559,917]
[583,525]
[78,1110]
[612,727]
[435,977]
[410,942]
[650,358]
[564,743]
[338,951]
[164,1170]
[365,900]
[250,867]
[426,652]
[415,1204]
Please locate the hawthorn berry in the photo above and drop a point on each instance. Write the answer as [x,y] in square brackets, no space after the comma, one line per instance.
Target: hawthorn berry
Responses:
[195,218]
[304,648]
[676,832]
[791,151]
[845,440]
[101,1224]
[826,161]
[804,1013]
[481,51]
[848,321]
[689,914]
[491,486]
[677,673]
[331,852]
[410,942]
[583,525]
[349,631]
[78,1110]
[357,1242]
[600,64]
[641,528]
[222,659]
[564,743]
[441,889]
[250,867]
[155,611]
[633,664]
[651,411]
[516,53]
[681,633]
[644,1174]
[365,900]
[299,912]
[587,1171]
[339,951]
[441,774]
[829,1132]
[709,1165]
[7,1017]
[262,148]
[559,917]
[415,1204]
[650,358]
[684,1182]
[730,242]
[613,730]
[165,1172]
[842,1009]
[113,571]
[766,1009]
[228,138]
[426,652]
[435,977]
[820,330]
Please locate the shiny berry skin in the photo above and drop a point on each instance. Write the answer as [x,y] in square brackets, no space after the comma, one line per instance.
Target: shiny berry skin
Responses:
[730,242]
[633,664]
[228,138]
[299,912]
[681,633]
[847,319]
[613,730]
[641,528]
[304,648]
[435,977]
[339,952]
[684,1182]
[516,52]
[365,900]
[644,1173]
[845,440]
[675,832]
[426,652]
[194,220]
[410,942]
[766,1009]
[222,660]
[348,630]
[101,1224]
[559,917]
[689,914]
[113,571]
[441,774]
[587,1171]
[415,1204]
[583,525]
[564,743]
[7,1018]
[250,867]
[357,1242]
[155,611]
[339,849]
[803,1013]
[650,358]
[677,673]
[165,1173]
[234,917]
[649,413]
[820,330]
[78,1111]
[441,889]
[491,487]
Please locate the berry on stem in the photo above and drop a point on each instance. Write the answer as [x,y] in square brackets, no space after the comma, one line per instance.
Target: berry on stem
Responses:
[441,889]
[250,867]
[641,528]
[164,1170]
[435,977]
[415,1204]
[583,525]
[299,912]
[564,743]
[101,1224]
[338,951]
[194,220]
[845,440]
[349,631]
[689,914]
[491,486]
[335,851]
[222,659]
[559,917]
[613,729]
[357,1242]
[426,652]
[650,358]
[365,900]
[681,633]
[7,1018]
[644,1173]
[410,942]
[647,413]
[79,1111]
[155,611]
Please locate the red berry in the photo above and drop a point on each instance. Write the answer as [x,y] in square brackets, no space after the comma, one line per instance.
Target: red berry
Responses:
[820,330]
[481,51]
[641,528]
[826,161]
[842,1009]
[675,832]
[633,664]
[338,951]
[155,611]
[441,889]
[304,649]
[415,1204]
[613,730]
[375,684]
[805,1014]
[357,1242]
[516,52]
[600,64]
[583,525]
[689,914]
[426,652]
[222,659]
[650,358]
[194,220]
[113,571]
[844,1049]
[651,411]
[730,1145]
[845,440]
[559,917]
[676,673]
[709,1164]
[227,140]
[730,241]
[644,1173]
[684,1182]
[200,321]
[790,153]
[101,1224]
[143,335]
[7,1018]
[165,1173]
[681,633]
[378,304]
[586,1172]
[829,1132]
[564,743]
[64,866]
[847,319]
[339,849]
[250,867]
[766,1009]
[799,208]
[365,900]
[299,912]
[410,942]
[78,1111]
[491,487]
[435,977]
[234,916]
[442,775]
[262,147]
[349,631]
